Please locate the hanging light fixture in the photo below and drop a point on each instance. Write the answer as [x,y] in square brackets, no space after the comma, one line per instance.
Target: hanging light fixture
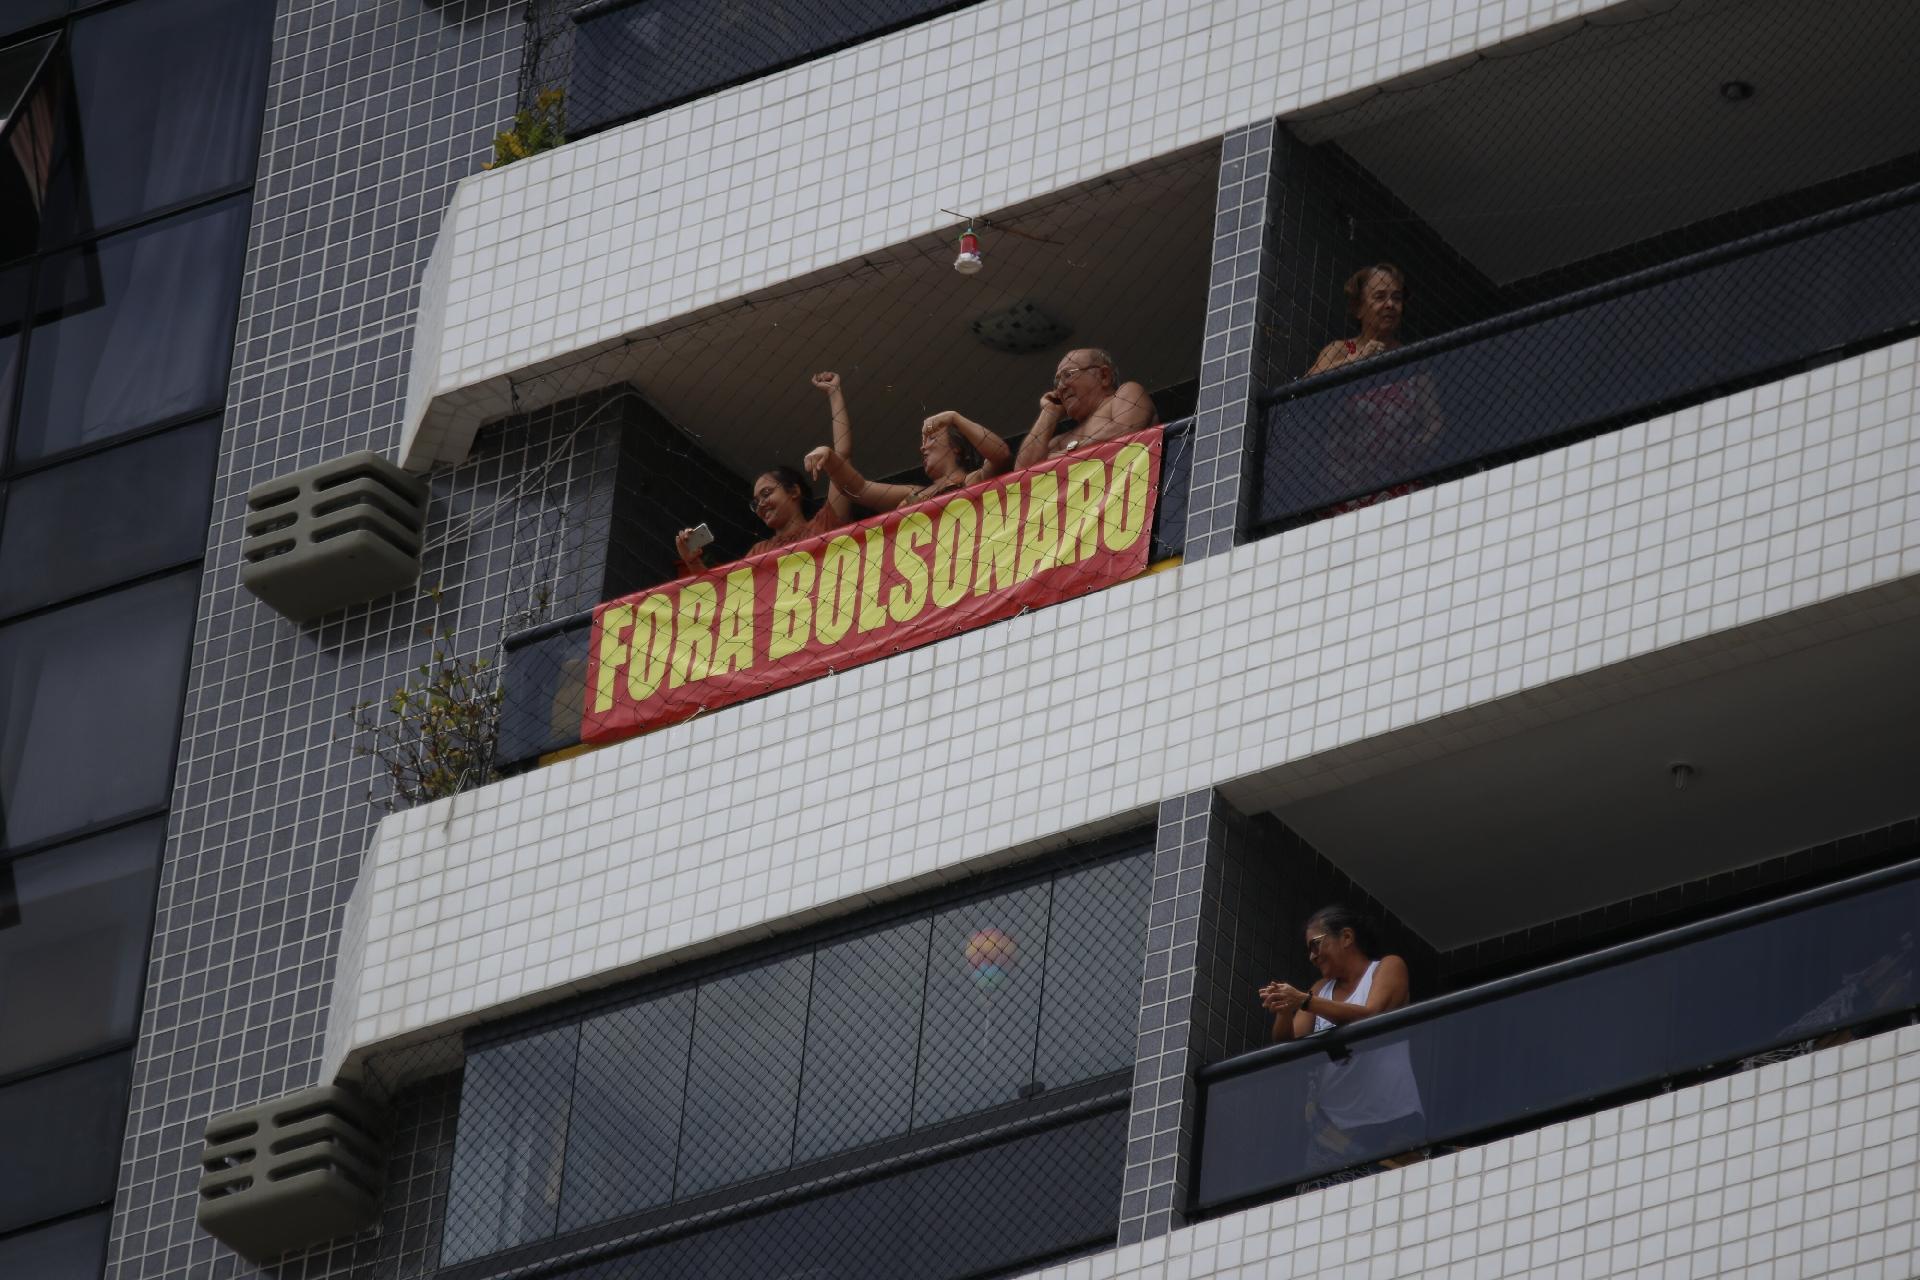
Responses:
[969,262]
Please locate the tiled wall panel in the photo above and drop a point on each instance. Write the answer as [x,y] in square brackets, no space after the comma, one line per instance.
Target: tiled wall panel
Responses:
[552,258]
[1559,578]
[1801,1168]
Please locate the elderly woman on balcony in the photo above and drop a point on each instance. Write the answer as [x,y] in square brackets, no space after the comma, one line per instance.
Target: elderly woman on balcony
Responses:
[955,452]
[1384,430]
[780,494]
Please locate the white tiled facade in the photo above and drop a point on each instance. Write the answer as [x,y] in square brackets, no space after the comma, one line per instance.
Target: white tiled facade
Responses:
[1794,1170]
[1540,585]
[547,262]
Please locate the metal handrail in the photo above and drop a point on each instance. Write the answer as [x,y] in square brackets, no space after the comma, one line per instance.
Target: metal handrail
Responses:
[1605,291]
[1338,1042]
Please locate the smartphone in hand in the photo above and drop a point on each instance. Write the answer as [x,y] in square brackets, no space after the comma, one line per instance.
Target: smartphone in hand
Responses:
[700,538]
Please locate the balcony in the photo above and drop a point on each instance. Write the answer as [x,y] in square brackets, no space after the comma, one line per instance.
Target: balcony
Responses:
[1816,968]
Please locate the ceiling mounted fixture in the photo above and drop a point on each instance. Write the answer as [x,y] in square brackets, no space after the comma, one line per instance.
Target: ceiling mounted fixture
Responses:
[1736,90]
[1020,330]
[969,262]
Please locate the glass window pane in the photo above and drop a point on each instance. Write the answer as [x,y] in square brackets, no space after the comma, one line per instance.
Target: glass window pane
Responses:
[169,101]
[505,1188]
[13,310]
[131,330]
[73,946]
[105,518]
[983,1004]
[745,1075]
[72,1250]
[863,1034]
[625,1132]
[30,99]
[90,708]
[71,1122]
[1096,949]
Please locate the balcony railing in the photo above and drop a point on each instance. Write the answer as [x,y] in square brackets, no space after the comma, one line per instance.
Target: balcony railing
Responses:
[1749,311]
[1517,1052]
[545,668]
[635,57]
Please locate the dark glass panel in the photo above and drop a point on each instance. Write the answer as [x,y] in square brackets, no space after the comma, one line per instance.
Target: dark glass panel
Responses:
[90,708]
[745,1074]
[168,99]
[31,83]
[72,1250]
[70,1120]
[632,59]
[108,517]
[1096,952]
[863,1034]
[73,945]
[1801,976]
[18,15]
[983,1004]
[131,330]
[985,1212]
[13,311]
[624,1135]
[507,1162]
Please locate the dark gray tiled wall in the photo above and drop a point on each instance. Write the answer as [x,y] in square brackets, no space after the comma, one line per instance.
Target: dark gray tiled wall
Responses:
[1239,300]
[375,109]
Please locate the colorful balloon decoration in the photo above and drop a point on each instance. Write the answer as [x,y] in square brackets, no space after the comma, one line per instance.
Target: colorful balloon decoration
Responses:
[990,954]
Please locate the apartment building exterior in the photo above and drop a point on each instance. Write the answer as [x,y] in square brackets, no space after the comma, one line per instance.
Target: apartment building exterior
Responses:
[896,903]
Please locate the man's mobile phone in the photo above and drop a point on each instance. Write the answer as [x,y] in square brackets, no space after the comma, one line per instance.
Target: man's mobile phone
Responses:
[701,537]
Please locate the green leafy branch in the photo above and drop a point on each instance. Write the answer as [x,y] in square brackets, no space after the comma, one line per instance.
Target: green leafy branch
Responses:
[540,128]
[435,734]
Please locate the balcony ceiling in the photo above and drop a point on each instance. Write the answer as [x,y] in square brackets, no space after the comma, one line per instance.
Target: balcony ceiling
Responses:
[1123,262]
[1616,132]
[1791,749]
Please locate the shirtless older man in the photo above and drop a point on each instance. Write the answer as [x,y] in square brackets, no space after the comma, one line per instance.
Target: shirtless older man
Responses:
[1085,390]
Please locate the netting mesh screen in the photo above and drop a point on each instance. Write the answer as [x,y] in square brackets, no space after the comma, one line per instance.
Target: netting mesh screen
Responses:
[837,1104]
[1654,206]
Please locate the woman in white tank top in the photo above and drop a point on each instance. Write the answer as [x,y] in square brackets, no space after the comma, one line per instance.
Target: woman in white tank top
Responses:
[1366,1104]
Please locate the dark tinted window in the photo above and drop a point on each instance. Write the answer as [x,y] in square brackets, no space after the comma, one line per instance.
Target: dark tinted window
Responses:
[18,15]
[13,310]
[507,1162]
[983,1004]
[624,1135]
[108,517]
[90,707]
[1096,946]
[745,1076]
[70,1250]
[168,98]
[134,329]
[72,964]
[863,1034]
[70,1121]
[30,99]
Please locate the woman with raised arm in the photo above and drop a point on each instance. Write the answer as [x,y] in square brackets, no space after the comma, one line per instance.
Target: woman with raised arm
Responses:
[955,452]
[780,494]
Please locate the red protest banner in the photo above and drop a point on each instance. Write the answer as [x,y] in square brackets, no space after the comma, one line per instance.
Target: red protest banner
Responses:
[1071,525]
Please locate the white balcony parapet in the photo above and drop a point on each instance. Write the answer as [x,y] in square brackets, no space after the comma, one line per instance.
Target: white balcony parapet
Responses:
[547,264]
[1777,517]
